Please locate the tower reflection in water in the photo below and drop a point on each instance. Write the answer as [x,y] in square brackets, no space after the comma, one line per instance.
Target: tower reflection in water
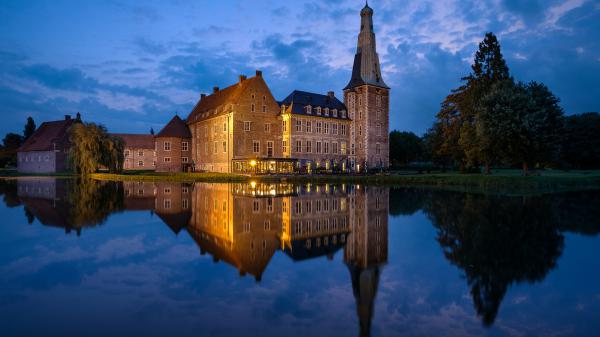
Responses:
[245,224]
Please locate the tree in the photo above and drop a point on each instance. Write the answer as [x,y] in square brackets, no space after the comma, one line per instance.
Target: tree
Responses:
[152,131]
[519,123]
[29,128]
[457,118]
[94,147]
[8,150]
[581,144]
[405,147]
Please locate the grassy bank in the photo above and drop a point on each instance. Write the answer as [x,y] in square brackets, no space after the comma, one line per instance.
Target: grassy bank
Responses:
[504,181]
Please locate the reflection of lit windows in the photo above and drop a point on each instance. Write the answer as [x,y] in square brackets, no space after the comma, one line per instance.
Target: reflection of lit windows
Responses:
[342,238]
[267,225]
[298,207]
[308,206]
[270,205]
[308,244]
[247,227]
[167,190]
[298,228]
[256,206]
[224,205]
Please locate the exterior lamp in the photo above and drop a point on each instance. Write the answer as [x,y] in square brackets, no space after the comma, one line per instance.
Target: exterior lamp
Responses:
[253,163]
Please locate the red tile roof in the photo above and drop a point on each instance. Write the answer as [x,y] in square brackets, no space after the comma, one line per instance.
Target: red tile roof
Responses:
[175,128]
[48,134]
[136,141]
[207,106]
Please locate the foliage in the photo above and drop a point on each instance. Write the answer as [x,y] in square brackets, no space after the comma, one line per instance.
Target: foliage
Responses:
[581,144]
[94,147]
[8,150]
[405,147]
[497,242]
[29,128]
[456,121]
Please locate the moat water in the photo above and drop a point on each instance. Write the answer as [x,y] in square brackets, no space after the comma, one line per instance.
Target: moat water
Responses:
[170,259]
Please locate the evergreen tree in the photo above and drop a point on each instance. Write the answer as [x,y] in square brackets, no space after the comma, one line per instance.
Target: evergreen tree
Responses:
[29,128]
[152,131]
[458,115]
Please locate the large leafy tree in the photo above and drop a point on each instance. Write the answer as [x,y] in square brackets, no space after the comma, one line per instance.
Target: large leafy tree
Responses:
[519,123]
[93,147]
[29,128]
[581,144]
[405,147]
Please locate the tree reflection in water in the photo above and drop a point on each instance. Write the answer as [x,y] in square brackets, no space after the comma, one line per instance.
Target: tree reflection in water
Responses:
[498,241]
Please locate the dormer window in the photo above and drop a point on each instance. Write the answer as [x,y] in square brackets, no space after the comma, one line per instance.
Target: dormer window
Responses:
[334,112]
[308,109]
[319,110]
[343,113]
[326,111]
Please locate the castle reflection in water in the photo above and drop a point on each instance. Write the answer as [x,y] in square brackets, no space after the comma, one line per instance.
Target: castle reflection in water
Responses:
[243,224]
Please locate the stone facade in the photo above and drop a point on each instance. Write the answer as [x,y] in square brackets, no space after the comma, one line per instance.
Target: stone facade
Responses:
[139,151]
[368,107]
[235,127]
[174,147]
[316,131]
[47,150]
[367,99]
[172,154]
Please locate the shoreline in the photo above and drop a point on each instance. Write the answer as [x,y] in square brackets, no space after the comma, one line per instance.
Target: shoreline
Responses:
[506,181]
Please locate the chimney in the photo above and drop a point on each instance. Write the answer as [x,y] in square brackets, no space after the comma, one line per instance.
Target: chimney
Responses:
[258,73]
[67,117]
[242,78]
[202,96]
[330,94]
[215,90]
[78,117]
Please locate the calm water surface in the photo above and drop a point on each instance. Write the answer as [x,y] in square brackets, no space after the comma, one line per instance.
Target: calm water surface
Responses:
[165,259]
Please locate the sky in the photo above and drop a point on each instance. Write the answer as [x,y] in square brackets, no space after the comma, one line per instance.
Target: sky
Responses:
[132,65]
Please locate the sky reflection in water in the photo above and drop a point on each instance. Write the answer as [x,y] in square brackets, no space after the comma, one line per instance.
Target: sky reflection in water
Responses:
[158,259]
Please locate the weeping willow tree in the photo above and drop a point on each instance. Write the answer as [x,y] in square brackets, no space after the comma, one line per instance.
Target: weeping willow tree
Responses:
[93,147]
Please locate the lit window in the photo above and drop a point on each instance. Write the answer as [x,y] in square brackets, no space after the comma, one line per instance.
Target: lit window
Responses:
[167,146]
[284,146]
[308,127]
[267,127]
[184,146]
[247,125]
[255,146]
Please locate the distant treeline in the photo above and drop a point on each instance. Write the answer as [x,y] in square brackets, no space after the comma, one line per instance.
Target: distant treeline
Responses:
[492,120]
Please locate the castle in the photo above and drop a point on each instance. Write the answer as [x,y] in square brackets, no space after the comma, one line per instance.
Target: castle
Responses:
[244,129]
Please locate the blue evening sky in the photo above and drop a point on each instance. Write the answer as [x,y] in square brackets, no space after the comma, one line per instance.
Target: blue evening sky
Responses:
[132,64]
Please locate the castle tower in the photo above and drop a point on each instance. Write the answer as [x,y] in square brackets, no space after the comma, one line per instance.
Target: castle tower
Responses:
[367,98]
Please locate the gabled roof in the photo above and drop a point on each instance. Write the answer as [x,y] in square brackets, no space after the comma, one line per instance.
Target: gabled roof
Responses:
[175,128]
[136,141]
[219,103]
[298,100]
[48,134]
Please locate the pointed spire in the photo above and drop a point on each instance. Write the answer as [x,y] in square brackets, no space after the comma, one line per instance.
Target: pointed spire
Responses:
[366,68]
